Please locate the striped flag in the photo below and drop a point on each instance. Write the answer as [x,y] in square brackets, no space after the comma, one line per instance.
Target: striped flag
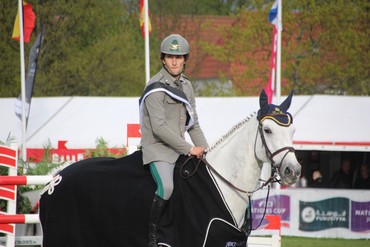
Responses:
[270,87]
[142,18]
[29,18]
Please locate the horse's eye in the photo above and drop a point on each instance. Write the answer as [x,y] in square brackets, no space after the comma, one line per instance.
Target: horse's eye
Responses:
[267,130]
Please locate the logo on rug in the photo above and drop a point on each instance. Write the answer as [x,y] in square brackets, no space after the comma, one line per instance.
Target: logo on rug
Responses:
[235,244]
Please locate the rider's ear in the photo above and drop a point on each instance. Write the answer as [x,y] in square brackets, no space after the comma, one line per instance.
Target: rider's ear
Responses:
[286,104]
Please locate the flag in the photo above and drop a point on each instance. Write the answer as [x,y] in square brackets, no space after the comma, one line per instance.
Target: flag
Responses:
[274,222]
[142,18]
[29,18]
[271,83]
[30,79]
[270,87]
[273,13]
[133,131]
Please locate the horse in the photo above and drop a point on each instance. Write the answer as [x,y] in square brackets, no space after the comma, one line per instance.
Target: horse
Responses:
[106,201]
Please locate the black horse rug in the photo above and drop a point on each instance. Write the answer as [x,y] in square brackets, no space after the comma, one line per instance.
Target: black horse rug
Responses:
[106,202]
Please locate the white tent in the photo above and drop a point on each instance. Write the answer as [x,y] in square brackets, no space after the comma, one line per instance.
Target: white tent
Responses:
[322,122]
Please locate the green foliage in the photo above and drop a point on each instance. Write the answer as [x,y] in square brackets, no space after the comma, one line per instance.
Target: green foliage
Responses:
[9,55]
[216,89]
[95,48]
[331,54]
[91,47]
[325,47]
[102,150]
[44,166]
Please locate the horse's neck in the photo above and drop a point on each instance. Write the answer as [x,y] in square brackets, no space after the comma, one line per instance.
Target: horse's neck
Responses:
[235,160]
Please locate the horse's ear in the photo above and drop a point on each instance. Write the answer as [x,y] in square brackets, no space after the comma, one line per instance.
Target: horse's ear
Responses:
[286,104]
[263,103]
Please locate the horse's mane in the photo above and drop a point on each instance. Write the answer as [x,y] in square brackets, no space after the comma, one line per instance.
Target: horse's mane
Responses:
[231,131]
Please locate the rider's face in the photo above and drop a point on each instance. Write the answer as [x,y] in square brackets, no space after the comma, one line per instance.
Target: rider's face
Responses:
[174,63]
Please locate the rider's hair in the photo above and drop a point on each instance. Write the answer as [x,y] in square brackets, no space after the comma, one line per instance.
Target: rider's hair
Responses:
[164,54]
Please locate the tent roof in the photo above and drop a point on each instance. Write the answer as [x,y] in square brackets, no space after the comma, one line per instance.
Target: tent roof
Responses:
[322,122]
[333,123]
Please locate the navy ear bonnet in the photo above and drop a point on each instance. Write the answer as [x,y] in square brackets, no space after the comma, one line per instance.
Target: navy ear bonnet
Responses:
[276,113]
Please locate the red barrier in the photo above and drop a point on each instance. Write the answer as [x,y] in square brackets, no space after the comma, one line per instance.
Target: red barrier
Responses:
[25,180]
[19,219]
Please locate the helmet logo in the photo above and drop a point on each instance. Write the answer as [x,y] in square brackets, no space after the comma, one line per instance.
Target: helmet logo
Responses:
[174,46]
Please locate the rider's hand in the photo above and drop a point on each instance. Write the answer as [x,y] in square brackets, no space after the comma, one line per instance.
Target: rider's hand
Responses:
[197,151]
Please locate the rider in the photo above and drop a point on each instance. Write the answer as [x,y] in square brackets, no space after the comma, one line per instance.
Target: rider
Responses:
[167,111]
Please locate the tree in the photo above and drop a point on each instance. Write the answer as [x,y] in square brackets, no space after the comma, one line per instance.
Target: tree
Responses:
[9,55]
[327,43]
[90,48]
[94,47]
[324,47]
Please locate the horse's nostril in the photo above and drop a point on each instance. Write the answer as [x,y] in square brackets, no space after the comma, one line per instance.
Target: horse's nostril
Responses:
[298,173]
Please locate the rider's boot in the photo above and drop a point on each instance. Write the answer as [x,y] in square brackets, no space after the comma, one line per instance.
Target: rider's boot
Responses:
[158,208]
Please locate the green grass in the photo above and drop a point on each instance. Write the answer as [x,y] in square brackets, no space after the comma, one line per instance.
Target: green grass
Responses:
[324,242]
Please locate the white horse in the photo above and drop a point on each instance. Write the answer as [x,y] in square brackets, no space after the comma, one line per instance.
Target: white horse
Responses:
[233,167]
[240,154]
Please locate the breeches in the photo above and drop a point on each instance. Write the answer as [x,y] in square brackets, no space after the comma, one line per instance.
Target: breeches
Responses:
[162,173]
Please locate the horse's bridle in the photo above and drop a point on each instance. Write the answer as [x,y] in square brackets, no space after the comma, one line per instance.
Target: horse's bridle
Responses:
[269,154]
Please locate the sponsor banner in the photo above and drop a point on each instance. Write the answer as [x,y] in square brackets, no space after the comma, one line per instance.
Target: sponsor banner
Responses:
[321,213]
[276,205]
[324,214]
[360,216]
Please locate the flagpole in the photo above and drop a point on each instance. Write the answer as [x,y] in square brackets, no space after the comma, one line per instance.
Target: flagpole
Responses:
[278,61]
[23,84]
[146,37]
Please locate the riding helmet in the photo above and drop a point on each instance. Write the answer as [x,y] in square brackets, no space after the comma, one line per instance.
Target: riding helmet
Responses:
[175,44]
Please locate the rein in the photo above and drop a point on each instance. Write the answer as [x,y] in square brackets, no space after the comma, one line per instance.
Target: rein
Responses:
[185,174]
